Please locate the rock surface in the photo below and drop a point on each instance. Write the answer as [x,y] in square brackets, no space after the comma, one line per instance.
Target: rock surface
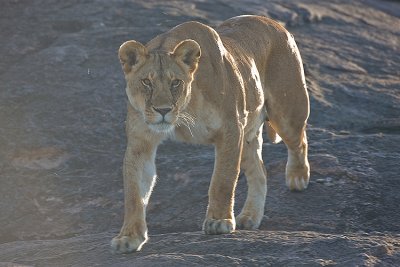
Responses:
[62,108]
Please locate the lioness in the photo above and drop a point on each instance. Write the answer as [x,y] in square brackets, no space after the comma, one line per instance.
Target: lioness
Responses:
[201,85]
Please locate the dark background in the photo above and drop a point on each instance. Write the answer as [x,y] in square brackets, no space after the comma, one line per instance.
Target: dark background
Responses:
[62,139]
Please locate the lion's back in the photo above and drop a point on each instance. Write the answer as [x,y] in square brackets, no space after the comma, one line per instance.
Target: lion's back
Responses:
[253,36]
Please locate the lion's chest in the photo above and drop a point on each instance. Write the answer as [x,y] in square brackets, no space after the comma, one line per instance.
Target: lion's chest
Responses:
[204,129]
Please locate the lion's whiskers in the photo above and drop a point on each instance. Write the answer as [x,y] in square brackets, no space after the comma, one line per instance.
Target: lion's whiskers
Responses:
[187,120]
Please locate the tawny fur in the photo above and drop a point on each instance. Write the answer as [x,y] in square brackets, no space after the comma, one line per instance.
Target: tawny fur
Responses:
[201,85]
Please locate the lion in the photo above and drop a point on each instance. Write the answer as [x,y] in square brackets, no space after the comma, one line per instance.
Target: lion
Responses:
[205,86]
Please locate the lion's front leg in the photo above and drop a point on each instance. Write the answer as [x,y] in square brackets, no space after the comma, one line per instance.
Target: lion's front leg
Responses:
[139,177]
[220,218]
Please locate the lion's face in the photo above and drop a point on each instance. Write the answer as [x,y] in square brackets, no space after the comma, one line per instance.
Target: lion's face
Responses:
[159,83]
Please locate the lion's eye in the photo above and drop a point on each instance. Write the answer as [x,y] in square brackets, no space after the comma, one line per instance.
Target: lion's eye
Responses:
[146,82]
[176,83]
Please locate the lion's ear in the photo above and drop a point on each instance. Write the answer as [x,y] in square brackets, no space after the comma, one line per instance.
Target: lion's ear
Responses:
[188,52]
[131,54]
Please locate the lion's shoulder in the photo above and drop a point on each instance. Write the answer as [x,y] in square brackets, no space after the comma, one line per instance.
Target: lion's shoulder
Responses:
[208,39]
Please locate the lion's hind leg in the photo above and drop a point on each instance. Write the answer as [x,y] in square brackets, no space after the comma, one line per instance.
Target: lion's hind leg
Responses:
[297,167]
[253,210]
[287,104]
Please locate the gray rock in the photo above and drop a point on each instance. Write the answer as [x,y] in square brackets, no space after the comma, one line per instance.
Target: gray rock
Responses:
[62,139]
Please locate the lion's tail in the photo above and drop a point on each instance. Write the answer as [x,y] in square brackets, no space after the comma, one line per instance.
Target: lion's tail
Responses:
[272,135]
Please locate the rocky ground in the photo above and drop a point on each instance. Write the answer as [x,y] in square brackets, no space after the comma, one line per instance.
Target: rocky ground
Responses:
[62,109]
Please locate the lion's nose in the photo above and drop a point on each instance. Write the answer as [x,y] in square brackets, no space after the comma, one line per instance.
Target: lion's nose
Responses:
[162,111]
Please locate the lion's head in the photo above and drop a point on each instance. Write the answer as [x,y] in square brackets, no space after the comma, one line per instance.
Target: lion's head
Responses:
[158,84]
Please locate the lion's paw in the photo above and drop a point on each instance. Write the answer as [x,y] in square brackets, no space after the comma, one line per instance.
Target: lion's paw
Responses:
[127,244]
[297,182]
[297,177]
[247,222]
[216,227]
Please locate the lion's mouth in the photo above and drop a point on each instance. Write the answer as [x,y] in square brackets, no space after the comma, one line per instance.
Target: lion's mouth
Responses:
[162,127]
